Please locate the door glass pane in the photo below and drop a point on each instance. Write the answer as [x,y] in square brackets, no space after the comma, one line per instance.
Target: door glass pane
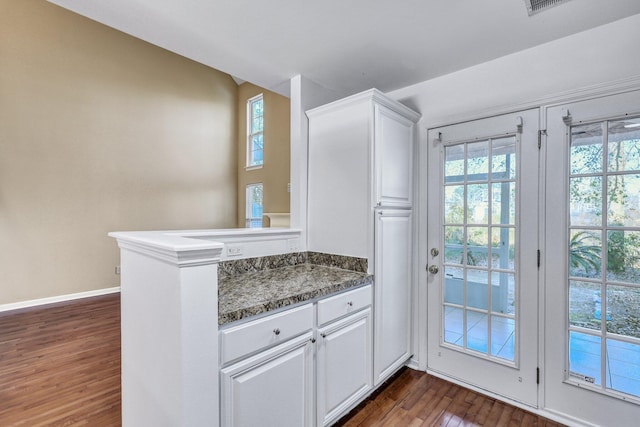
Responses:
[585,355]
[624,361]
[454,163]
[623,196]
[503,247]
[503,158]
[503,297]
[478,204]
[477,161]
[480,257]
[623,316]
[453,285]
[623,256]
[453,325]
[503,203]
[477,288]
[586,149]
[585,198]
[454,245]
[585,253]
[454,204]
[624,145]
[585,304]
[477,331]
[502,337]
[604,309]
[477,246]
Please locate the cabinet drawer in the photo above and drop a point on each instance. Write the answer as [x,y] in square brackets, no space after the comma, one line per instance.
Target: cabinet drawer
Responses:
[340,305]
[250,337]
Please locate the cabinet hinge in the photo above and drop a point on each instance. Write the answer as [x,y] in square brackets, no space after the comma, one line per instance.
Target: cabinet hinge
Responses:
[537,375]
[541,132]
[538,258]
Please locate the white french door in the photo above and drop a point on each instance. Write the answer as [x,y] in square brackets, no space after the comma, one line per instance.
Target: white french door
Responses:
[592,260]
[482,254]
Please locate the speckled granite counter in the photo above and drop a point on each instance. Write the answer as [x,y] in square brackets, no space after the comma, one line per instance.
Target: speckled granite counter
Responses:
[257,292]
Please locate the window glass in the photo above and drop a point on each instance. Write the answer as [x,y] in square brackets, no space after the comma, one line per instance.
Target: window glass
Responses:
[254,208]
[255,134]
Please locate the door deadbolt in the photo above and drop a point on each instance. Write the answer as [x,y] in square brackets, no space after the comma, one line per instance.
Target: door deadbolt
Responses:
[434,252]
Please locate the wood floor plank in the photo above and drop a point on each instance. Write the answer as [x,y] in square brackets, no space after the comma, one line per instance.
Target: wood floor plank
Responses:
[60,366]
[425,400]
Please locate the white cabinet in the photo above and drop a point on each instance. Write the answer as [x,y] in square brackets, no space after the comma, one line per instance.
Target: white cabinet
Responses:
[392,300]
[267,375]
[360,157]
[343,365]
[272,389]
[359,204]
[393,158]
[267,371]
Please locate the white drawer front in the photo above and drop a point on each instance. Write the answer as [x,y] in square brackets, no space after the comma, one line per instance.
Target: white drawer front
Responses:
[340,305]
[250,337]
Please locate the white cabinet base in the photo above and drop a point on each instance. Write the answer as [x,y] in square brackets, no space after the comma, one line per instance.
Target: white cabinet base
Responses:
[343,365]
[271,389]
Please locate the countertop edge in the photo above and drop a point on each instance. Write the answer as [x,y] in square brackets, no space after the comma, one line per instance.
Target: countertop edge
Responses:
[250,313]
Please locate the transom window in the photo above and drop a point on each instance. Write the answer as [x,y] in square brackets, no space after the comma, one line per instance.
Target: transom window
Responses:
[480,290]
[255,134]
[604,256]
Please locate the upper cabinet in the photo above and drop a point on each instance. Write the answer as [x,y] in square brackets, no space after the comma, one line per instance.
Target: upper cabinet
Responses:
[360,158]
[392,152]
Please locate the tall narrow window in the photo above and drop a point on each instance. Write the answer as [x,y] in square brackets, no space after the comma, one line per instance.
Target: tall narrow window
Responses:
[254,206]
[604,255]
[255,137]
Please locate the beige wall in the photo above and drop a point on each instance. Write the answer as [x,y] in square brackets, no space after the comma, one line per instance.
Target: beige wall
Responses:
[274,174]
[99,132]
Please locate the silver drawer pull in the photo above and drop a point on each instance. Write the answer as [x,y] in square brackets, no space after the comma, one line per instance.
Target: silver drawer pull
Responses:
[350,303]
[276,331]
[323,335]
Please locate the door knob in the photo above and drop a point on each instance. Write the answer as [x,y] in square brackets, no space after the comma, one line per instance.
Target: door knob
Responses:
[433,269]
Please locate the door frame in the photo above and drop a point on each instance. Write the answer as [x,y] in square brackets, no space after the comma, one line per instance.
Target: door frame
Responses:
[434,120]
[563,397]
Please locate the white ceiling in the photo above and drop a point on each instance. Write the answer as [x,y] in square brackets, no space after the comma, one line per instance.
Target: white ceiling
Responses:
[346,45]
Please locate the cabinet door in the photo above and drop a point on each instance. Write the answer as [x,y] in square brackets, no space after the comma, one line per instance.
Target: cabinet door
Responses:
[393,154]
[344,365]
[392,291]
[273,388]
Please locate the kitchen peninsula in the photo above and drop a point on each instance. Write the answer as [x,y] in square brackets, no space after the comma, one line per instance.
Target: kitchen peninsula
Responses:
[191,304]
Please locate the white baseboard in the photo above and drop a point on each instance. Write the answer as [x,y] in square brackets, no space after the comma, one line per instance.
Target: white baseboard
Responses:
[60,298]
[413,364]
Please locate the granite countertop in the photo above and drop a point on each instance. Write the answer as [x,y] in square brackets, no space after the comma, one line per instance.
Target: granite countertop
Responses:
[244,295]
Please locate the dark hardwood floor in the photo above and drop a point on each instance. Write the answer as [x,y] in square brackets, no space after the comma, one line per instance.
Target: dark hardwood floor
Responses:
[60,366]
[414,398]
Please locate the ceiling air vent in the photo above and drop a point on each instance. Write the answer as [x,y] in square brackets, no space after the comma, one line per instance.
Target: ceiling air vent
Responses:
[536,6]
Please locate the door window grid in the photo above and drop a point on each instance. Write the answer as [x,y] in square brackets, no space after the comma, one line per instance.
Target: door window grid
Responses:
[479,294]
[604,291]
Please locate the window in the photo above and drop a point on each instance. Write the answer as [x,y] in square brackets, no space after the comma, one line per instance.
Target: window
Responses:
[253,211]
[604,255]
[255,137]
